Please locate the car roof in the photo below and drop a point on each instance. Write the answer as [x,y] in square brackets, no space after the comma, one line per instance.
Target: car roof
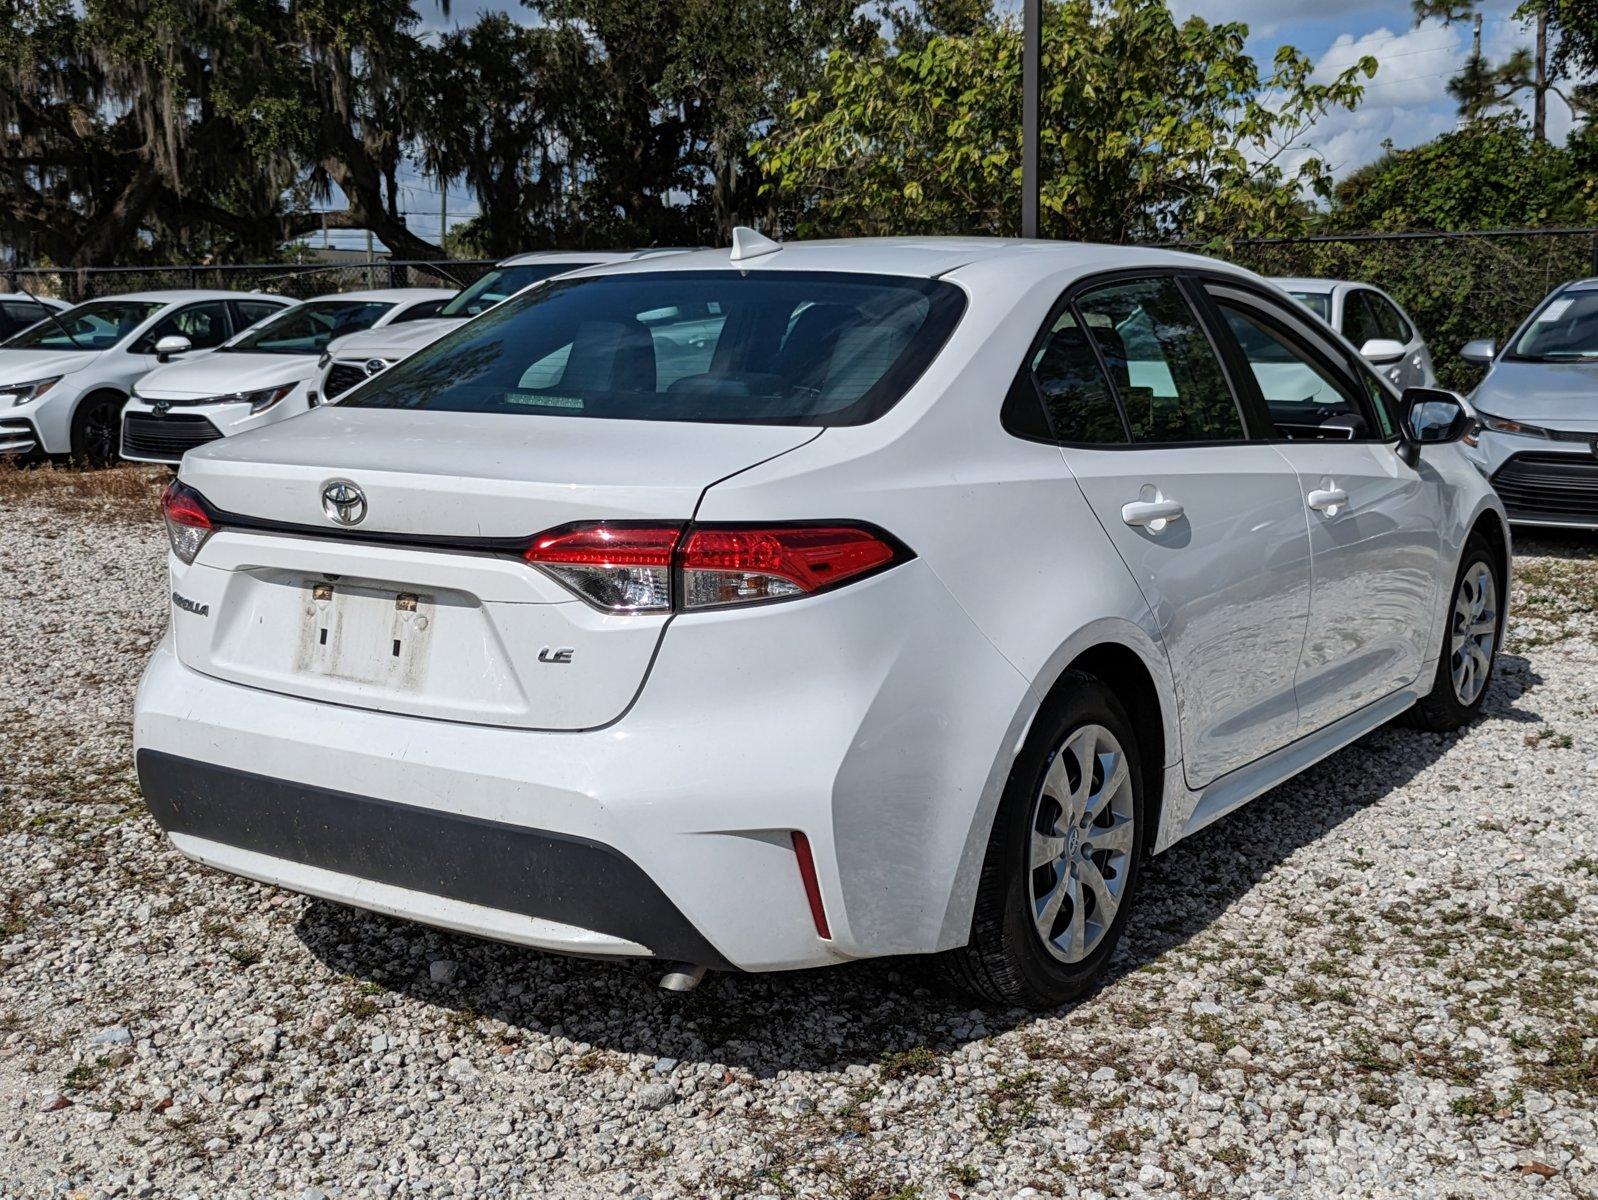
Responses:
[1581,285]
[590,256]
[1021,260]
[391,295]
[183,295]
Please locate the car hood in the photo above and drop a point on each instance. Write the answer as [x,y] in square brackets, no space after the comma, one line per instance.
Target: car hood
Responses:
[223,374]
[392,341]
[24,366]
[1563,395]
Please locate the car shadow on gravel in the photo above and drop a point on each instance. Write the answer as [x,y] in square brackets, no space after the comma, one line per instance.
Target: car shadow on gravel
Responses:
[823,1020]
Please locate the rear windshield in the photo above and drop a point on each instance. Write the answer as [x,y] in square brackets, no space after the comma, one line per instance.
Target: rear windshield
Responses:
[1566,330]
[97,325]
[1319,303]
[308,328]
[775,348]
[502,283]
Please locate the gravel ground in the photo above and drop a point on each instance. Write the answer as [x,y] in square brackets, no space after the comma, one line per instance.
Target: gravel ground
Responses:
[1376,981]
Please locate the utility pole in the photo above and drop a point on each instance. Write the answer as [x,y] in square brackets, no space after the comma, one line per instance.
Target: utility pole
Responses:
[1475,40]
[1539,87]
[1031,83]
[443,209]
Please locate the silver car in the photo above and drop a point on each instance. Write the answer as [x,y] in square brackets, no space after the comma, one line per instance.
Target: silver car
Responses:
[1373,321]
[1537,411]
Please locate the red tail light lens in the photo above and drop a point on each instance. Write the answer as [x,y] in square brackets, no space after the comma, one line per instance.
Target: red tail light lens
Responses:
[632,568]
[621,568]
[187,523]
[738,566]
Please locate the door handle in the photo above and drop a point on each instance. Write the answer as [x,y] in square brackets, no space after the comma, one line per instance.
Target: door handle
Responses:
[1154,514]
[1328,500]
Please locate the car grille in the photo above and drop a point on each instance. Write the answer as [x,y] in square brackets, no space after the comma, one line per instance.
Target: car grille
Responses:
[149,435]
[1549,487]
[341,377]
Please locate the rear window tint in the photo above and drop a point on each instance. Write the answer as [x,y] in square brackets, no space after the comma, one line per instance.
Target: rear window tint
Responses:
[775,347]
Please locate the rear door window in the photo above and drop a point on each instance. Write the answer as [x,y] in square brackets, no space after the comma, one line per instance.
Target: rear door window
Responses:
[1161,363]
[772,347]
[1062,393]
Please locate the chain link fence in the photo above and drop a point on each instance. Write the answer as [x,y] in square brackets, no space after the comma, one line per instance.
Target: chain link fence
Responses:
[1456,286]
[299,280]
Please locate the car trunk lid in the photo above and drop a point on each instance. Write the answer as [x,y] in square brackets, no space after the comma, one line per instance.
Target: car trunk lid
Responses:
[424,606]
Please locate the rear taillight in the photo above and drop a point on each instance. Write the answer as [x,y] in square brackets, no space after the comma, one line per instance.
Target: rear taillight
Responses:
[654,568]
[621,568]
[187,523]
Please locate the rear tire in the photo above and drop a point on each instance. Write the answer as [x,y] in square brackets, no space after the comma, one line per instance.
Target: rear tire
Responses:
[1061,868]
[97,429]
[1472,629]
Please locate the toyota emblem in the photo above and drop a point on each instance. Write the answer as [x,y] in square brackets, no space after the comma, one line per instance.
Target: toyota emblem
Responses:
[343,502]
[374,365]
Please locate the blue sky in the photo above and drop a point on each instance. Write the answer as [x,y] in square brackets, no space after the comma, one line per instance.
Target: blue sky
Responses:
[1406,103]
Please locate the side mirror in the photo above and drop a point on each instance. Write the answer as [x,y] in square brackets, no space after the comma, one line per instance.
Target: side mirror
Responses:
[173,343]
[1431,417]
[1383,352]
[1480,351]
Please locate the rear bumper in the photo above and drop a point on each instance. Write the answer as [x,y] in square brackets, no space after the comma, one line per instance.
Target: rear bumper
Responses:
[488,878]
[838,717]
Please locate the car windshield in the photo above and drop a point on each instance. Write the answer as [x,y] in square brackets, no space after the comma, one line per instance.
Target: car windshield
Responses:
[1565,330]
[771,347]
[97,325]
[308,328]
[1319,303]
[502,283]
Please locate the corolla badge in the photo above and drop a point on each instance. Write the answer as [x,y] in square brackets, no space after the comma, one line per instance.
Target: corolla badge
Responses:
[343,502]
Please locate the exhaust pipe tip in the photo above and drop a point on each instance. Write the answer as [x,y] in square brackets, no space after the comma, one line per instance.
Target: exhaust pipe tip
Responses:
[682,977]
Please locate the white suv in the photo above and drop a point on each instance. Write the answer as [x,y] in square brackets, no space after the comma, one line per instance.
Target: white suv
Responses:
[64,380]
[812,602]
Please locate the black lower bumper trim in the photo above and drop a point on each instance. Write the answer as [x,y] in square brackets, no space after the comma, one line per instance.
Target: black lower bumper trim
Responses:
[533,872]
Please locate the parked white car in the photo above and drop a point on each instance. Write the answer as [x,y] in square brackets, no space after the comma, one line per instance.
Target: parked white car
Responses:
[1373,321]
[63,381]
[259,378]
[811,602]
[1537,411]
[358,356]
[19,311]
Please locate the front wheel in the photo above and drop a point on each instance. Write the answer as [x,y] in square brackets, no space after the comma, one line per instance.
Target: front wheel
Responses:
[1471,630]
[1062,860]
[97,430]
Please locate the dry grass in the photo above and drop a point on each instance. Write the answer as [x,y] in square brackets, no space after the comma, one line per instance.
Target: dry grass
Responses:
[125,494]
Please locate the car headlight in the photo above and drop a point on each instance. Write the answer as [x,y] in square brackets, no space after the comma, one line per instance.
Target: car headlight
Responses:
[1505,425]
[13,394]
[259,401]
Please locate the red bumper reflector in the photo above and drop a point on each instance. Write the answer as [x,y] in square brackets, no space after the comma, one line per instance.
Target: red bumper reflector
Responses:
[807,872]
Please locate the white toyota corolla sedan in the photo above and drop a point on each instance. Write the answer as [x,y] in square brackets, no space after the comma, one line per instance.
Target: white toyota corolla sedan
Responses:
[64,380]
[258,378]
[813,602]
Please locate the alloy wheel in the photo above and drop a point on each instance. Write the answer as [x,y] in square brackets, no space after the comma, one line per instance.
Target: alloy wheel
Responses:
[102,433]
[1079,856]
[1473,632]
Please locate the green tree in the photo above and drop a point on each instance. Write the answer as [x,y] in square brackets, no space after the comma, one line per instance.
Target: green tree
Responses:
[1151,129]
[1564,48]
[1489,174]
[505,114]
